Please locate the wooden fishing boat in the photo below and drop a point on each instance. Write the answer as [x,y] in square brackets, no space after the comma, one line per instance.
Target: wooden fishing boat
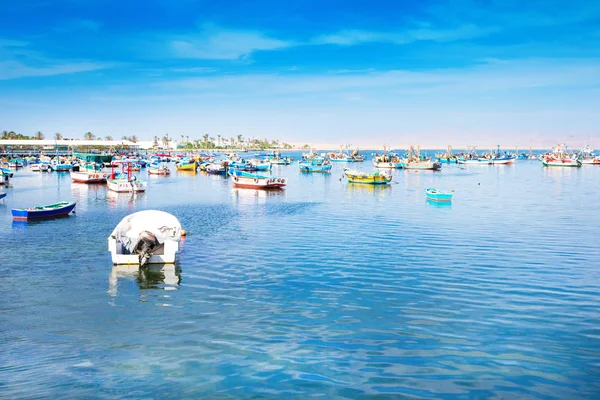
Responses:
[255,181]
[552,161]
[315,166]
[438,195]
[145,237]
[216,168]
[374,178]
[40,212]
[414,160]
[156,169]
[89,173]
[560,157]
[186,165]
[125,182]
[421,164]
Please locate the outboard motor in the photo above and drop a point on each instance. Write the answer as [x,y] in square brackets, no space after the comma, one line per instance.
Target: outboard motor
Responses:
[147,244]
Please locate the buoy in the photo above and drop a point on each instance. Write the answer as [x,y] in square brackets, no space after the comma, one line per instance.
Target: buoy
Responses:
[183,232]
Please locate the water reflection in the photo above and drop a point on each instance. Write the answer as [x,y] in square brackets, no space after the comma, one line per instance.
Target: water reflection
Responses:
[154,276]
[254,196]
[377,190]
[438,204]
[130,199]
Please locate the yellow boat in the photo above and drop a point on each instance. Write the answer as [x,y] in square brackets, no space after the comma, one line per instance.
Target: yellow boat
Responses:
[375,178]
[186,166]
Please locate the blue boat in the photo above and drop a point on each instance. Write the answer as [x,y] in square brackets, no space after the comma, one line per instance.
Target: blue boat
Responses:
[7,172]
[41,212]
[317,164]
[438,195]
[2,195]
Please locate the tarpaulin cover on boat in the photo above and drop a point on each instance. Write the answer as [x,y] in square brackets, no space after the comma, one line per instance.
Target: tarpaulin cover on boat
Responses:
[161,224]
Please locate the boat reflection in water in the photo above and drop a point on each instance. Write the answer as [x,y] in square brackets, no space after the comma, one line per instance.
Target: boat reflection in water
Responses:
[153,276]
[377,190]
[439,204]
[115,199]
[254,196]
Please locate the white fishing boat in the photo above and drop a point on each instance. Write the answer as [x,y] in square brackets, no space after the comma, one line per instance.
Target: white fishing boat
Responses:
[125,182]
[145,237]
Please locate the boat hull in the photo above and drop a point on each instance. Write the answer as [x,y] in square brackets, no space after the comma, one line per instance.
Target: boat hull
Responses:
[259,183]
[124,186]
[390,165]
[315,168]
[158,171]
[31,214]
[436,195]
[563,163]
[88,177]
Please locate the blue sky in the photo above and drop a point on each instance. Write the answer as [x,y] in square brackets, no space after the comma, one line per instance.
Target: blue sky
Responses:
[365,72]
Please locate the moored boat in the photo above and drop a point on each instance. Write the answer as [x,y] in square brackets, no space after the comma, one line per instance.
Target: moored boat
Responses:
[2,195]
[125,182]
[374,178]
[560,157]
[186,165]
[157,169]
[438,195]
[89,173]
[145,237]
[256,181]
[315,165]
[40,212]
[414,160]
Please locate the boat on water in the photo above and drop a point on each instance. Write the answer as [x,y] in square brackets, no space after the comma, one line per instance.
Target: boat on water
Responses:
[587,156]
[125,182]
[277,159]
[58,166]
[4,178]
[6,172]
[145,237]
[316,165]
[88,173]
[388,161]
[15,163]
[216,168]
[373,178]
[2,195]
[41,212]
[414,160]
[447,157]
[560,157]
[157,169]
[438,195]
[186,164]
[256,181]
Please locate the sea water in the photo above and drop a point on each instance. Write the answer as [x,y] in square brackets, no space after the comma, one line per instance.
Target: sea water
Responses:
[325,289]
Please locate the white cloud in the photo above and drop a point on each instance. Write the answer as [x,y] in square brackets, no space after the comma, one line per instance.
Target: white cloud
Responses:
[355,37]
[19,61]
[214,43]
[13,69]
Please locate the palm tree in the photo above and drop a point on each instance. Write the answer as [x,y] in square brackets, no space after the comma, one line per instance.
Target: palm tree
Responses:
[205,140]
[187,139]
[165,141]
[108,138]
[58,136]
[39,136]
[88,136]
[133,138]
[181,139]
[239,137]
[155,144]
[4,135]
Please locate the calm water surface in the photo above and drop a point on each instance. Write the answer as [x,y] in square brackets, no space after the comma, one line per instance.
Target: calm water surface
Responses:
[322,290]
